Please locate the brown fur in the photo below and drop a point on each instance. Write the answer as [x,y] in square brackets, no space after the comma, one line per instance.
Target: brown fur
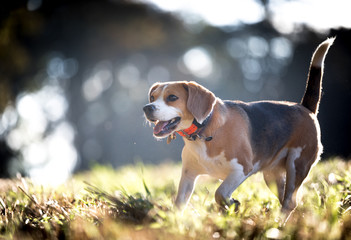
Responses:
[231,134]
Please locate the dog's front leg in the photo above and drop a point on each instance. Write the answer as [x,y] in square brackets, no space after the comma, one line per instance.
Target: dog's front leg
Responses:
[224,192]
[190,171]
[186,187]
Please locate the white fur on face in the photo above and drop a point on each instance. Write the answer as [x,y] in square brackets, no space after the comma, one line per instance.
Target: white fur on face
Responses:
[164,112]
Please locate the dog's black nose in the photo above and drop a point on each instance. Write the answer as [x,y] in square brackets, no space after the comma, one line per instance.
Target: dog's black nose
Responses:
[148,109]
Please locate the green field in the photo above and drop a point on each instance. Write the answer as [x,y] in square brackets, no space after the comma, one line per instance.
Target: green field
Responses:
[136,202]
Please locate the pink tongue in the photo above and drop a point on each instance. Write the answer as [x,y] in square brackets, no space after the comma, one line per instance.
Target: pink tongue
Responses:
[159,126]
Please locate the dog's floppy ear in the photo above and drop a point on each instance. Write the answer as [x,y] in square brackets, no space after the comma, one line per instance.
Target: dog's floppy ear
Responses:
[200,101]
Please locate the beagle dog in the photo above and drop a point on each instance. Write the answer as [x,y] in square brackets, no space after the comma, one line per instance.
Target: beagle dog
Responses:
[231,140]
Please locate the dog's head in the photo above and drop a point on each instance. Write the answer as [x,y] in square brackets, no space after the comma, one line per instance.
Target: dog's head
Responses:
[174,105]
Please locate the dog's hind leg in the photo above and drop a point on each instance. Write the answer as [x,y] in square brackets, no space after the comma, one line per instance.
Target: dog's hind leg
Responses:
[276,177]
[289,201]
[305,164]
[298,166]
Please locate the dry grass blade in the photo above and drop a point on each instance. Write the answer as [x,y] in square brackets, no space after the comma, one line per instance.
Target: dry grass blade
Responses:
[2,203]
[126,208]
[30,197]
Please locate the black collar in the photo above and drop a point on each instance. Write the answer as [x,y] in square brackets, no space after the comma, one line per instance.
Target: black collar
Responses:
[195,130]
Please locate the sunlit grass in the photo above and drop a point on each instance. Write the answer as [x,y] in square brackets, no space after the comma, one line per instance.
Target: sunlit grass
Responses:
[136,202]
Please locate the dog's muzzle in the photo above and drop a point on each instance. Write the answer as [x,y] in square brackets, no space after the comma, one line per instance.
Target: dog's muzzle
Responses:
[162,128]
[149,110]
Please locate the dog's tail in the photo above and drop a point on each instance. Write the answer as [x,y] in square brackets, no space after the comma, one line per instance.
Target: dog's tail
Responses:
[313,90]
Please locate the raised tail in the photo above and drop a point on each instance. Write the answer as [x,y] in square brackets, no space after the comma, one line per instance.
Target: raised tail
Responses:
[313,90]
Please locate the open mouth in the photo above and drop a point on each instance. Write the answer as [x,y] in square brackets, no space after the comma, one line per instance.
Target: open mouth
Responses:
[163,128]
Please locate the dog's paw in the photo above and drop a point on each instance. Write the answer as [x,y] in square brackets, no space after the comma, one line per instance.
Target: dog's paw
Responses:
[236,202]
[229,203]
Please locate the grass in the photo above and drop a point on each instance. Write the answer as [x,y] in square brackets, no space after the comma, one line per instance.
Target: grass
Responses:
[136,202]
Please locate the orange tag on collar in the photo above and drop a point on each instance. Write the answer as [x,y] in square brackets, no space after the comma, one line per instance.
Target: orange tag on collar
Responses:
[186,132]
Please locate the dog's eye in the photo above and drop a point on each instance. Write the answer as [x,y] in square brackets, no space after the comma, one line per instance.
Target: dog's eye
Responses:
[172,98]
[152,98]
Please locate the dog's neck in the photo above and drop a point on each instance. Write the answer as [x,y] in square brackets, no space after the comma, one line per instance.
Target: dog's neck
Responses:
[205,131]
[194,131]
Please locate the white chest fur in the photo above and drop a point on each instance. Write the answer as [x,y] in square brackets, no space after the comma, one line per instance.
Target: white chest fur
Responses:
[216,166]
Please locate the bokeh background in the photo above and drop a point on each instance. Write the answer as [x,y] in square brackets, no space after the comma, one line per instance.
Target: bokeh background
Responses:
[74,74]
